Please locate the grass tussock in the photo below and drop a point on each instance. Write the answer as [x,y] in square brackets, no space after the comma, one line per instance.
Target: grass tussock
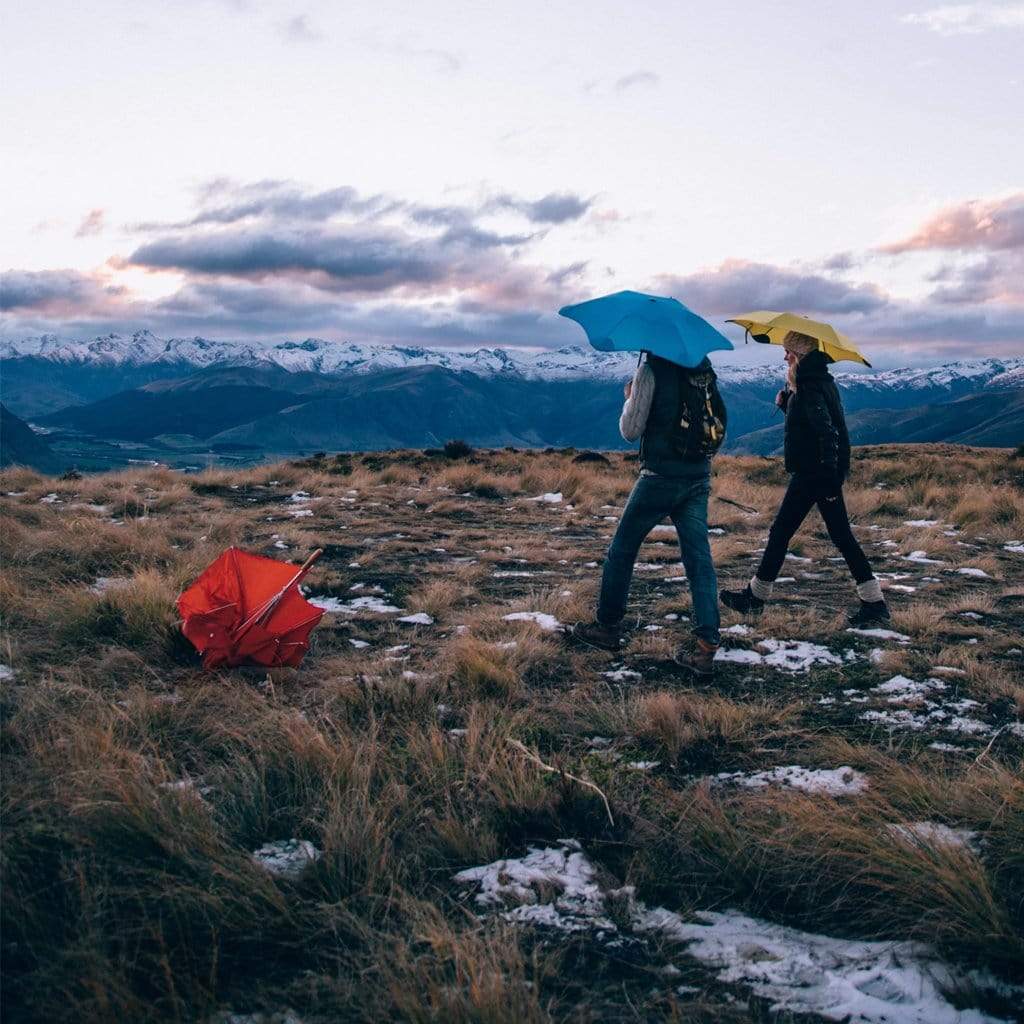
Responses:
[693,726]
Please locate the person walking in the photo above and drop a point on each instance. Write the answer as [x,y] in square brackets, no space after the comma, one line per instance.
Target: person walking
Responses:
[817,454]
[680,419]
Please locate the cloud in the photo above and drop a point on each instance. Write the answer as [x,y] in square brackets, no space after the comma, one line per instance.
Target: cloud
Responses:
[636,79]
[514,309]
[223,201]
[272,259]
[985,240]
[840,261]
[340,241]
[554,208]
[440,60]
[943,332]
[968,19]
[361,259]
[736,286]
[270,311]
[54,291]
[977,224]
[226,202]
[299,30]
[996,278]
[358,260]
[563,275]
[92,224]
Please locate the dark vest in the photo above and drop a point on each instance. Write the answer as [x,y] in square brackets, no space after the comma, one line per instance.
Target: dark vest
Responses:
[657,455]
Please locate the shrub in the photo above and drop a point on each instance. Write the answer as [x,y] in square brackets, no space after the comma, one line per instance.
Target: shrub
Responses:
[592,457]
[457,449]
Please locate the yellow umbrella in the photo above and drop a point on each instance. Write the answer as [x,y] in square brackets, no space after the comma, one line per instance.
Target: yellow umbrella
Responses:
[772,328]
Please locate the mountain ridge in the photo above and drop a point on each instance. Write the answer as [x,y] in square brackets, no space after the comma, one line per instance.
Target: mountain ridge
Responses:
[314,355]
[141,389]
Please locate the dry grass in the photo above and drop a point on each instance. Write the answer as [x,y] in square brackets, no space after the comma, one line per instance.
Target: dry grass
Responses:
[690,722]
[126,898]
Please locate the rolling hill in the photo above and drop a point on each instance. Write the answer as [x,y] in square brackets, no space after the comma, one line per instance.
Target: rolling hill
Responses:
[992,419]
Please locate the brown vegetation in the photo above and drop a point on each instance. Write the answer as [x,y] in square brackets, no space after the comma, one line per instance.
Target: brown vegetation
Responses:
[135,787]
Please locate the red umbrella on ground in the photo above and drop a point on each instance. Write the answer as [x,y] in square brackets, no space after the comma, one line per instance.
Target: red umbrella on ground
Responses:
[247,610]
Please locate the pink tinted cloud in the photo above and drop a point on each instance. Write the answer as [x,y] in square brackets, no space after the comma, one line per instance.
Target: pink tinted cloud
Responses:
[976,224]
[92,224]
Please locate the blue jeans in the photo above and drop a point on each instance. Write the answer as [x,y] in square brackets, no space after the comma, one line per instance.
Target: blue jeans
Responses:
[685,501]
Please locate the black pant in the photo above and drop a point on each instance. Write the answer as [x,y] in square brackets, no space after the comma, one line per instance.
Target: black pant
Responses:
[801,494]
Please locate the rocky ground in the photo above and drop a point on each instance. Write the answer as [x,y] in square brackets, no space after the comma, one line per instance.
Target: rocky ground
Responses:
[451,813]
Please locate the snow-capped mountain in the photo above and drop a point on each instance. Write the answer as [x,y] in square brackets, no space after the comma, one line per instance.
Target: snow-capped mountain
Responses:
[314,355]
[317,356]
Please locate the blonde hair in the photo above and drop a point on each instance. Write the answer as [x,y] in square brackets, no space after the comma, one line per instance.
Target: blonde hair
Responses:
[801,344]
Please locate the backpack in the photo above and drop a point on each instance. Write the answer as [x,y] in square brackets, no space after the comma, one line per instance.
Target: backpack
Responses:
[698,428]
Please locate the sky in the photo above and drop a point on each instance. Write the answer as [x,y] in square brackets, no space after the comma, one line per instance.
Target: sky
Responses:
[450,174]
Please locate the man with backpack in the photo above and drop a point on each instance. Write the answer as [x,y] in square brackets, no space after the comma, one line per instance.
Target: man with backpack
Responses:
[680,418]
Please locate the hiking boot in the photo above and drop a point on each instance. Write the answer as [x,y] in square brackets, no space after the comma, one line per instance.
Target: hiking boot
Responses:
[742,601]
[869,612]
[597,634]
[700,659]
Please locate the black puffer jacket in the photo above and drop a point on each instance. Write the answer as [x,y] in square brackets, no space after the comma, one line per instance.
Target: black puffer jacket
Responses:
[817,443]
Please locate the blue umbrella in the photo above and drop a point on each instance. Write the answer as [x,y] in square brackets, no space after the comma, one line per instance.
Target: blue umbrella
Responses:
[634,322]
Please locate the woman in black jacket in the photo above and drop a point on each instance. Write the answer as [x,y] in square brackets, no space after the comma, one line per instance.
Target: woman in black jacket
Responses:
[817,449]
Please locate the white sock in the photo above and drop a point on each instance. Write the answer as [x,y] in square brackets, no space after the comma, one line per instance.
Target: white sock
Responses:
[760,589]
[870,591]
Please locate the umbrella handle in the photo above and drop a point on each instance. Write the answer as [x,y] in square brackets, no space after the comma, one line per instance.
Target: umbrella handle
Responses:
[294,582]
[308,563]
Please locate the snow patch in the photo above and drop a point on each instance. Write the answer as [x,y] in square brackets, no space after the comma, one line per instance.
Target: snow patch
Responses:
[738,656]
[880,634]
[800,972]
[104,584]
[839,979]
[901,690]
[353,606]
[844,781]
[934,834]
[622,675]
[542,619]
[784,655]
[285,1016]
[921,557]
[796,655]
[287,858]
[566,869]
[418,619]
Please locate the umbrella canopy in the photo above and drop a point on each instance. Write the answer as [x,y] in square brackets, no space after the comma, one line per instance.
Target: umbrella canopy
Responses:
[247,610]
[771,328]
[634,322]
